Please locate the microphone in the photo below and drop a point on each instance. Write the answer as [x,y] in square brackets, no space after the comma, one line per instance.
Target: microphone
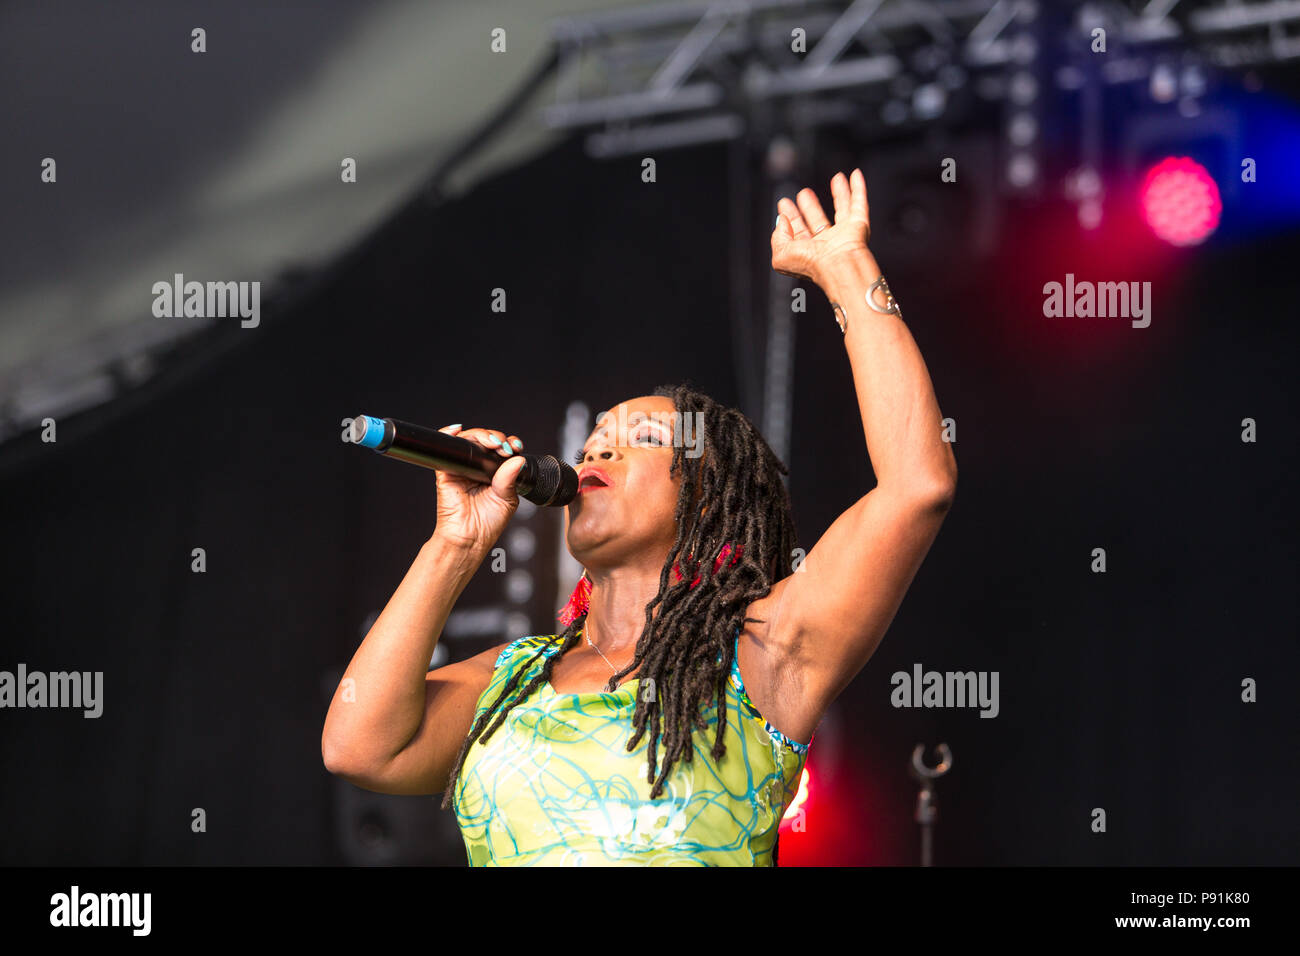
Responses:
[543,480]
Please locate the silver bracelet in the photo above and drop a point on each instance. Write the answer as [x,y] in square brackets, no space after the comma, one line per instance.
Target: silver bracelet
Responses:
[840,317]
[891,305]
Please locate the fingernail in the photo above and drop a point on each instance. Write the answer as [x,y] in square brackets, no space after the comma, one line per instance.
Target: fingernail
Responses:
[492,439]
[457,425]
[777,223]
[518,444]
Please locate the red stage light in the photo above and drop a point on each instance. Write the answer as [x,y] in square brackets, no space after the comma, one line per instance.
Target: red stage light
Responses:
[1180,201]
[801,795]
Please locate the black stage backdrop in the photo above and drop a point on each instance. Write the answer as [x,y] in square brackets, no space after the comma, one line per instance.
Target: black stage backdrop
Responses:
[1118,690]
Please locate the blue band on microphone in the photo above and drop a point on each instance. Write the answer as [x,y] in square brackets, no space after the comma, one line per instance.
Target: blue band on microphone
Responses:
[374,433]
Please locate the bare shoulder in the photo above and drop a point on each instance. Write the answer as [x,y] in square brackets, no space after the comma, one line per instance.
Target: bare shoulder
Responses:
[452,691]
[474,669]
[770,669]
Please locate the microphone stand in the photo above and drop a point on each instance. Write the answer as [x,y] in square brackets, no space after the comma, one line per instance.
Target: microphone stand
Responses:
[927,807]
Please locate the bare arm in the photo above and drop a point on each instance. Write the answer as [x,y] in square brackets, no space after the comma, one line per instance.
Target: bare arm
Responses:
[838,606]
[393,725]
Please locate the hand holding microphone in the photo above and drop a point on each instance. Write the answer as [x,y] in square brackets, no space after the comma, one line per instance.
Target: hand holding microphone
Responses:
[481,473]
[469,511]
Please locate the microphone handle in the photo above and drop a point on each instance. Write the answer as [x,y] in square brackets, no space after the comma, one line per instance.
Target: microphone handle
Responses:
[543,479]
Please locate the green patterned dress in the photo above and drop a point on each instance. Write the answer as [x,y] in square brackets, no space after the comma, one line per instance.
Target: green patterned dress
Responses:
[556,786]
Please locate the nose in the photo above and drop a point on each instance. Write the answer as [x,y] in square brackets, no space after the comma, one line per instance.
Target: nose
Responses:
[602,450]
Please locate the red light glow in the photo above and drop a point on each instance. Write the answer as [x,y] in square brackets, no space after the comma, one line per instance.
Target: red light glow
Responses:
[800,797]
[1180,201]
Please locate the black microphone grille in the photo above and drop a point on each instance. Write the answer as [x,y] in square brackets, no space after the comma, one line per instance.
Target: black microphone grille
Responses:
[554,482]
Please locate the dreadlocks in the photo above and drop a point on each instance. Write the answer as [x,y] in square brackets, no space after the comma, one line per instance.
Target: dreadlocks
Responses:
[686,649]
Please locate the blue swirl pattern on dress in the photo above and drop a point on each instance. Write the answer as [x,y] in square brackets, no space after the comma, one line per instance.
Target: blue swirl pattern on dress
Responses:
[556,786]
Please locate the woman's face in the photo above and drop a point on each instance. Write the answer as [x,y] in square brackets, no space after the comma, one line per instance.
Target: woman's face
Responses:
[633,515]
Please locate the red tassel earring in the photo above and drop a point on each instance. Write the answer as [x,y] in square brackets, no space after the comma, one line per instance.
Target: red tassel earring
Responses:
[579,601]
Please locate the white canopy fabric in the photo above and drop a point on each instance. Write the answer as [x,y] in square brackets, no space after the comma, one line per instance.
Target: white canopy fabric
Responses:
[223,165]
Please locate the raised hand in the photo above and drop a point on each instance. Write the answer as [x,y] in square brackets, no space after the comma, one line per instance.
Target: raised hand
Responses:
[804,241]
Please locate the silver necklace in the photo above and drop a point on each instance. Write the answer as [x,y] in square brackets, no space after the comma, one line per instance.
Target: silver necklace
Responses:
[597,649]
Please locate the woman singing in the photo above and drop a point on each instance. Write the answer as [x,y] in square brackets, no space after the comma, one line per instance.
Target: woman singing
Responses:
[669,722]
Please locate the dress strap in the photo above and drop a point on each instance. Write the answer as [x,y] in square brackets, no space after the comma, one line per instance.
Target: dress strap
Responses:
[529,643]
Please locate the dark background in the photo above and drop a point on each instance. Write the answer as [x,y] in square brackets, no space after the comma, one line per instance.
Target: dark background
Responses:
[1119,690]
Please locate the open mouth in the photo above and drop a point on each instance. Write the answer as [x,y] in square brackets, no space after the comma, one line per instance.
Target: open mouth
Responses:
[592,478]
